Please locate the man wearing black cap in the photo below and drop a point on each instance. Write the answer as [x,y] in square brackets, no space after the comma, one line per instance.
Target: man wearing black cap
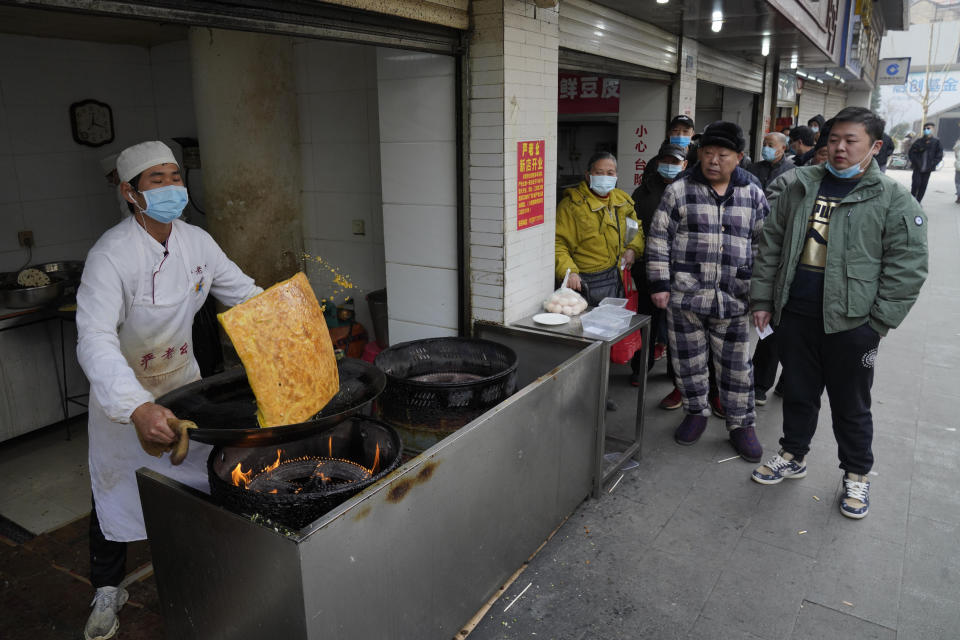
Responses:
[699,259]
[802,141]
[680,132]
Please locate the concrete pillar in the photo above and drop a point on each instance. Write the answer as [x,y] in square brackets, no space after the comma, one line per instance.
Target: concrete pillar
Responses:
[244,89]
[513,98]
[684,95]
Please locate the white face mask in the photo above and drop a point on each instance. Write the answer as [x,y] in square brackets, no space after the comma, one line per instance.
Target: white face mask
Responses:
[602,185]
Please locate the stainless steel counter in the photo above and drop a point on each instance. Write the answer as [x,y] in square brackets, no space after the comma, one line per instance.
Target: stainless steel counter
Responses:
[631,448]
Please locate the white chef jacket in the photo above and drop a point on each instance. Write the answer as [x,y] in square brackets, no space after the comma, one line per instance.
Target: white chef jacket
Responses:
[135,309]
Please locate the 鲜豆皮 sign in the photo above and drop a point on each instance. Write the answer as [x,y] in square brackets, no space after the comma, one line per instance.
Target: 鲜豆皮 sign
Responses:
[530,183]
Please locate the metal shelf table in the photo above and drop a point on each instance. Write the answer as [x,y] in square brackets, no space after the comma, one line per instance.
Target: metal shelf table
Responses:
[634,447]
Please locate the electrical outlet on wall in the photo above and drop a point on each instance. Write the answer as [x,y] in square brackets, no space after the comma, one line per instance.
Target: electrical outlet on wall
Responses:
[25,238]
[359,229]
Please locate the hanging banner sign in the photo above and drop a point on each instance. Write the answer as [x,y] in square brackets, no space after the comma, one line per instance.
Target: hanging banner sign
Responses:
[893,70]
[587,94]
[530,183]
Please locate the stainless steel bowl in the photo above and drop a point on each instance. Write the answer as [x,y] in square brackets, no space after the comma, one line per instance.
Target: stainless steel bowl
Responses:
[13,296]
[69,269]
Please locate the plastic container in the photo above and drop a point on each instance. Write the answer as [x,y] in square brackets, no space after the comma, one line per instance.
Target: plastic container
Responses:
[613,302]
[604,325]
[616,312]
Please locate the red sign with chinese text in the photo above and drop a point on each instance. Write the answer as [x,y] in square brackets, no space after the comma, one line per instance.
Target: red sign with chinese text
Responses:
[530,182]
[587,94]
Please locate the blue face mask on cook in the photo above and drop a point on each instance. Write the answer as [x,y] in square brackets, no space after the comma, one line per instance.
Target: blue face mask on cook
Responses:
[669,171]
[602,185]
[683,141]
[769,154]
[165,204]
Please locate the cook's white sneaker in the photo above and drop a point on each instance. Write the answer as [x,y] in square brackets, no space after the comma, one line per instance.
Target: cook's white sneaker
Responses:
[103,621]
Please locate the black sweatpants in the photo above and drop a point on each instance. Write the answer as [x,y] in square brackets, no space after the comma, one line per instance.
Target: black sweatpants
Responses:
[843,364]
[766,359]
[108,559]
[919,184]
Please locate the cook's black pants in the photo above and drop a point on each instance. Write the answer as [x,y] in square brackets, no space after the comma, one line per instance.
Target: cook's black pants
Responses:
[766,358]
[108,559]
[843,364]
[919,185]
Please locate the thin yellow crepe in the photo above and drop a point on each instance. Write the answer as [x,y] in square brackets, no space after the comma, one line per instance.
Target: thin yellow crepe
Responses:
[283,342]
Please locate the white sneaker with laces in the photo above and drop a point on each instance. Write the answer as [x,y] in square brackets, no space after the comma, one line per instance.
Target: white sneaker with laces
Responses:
[103,621]
[783,465]
[855,502]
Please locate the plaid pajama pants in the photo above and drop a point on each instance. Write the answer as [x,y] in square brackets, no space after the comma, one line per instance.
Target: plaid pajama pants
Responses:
[729,342]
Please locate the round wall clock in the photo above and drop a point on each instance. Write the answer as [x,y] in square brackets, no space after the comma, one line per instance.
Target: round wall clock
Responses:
[91,122]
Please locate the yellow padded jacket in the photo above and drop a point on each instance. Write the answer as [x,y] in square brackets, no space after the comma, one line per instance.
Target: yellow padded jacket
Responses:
[591,230]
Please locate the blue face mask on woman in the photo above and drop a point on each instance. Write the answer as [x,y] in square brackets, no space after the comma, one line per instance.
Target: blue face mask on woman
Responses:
[669,171]
[602,185]
[165,204]
[769,154]
[683,141]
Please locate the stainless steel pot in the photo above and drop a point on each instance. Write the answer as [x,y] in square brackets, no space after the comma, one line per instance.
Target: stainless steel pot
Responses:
[16,297]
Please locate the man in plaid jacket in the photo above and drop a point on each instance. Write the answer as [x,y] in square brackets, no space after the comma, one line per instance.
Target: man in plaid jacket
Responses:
[703,239]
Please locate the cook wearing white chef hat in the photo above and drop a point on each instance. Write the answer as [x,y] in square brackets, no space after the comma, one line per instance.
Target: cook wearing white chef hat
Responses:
[143,282]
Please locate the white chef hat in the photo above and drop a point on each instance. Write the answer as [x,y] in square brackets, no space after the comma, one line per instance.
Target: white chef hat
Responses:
[134,160]
[109,163]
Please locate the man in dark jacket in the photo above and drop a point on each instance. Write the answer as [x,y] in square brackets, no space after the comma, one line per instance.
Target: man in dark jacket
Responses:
[842,259]
[802,142]
[774,162]
[925,154]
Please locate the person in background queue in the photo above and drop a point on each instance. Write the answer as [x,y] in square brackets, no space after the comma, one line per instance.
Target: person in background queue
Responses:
[143,281]
[816,126]
[802,141]
[885,152]
[956,169]
[842,258]
[774,162]
[591,232]
[671,161]
[681,132]
[925,154]
[699,258]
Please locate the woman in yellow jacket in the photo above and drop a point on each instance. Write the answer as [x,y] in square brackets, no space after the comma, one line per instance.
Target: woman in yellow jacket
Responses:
[592,232]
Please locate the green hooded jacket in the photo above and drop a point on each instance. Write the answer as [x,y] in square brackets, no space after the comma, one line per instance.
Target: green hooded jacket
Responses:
[876,252]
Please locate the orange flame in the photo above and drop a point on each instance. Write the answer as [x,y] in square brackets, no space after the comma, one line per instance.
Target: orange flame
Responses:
[275,464]
[272,491]
[238,476]
[376,460]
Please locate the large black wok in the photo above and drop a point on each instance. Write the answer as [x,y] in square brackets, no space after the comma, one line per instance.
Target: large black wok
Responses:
[224,407]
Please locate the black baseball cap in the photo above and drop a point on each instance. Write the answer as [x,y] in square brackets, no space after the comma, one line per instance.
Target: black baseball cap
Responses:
[682,120]
[672,150]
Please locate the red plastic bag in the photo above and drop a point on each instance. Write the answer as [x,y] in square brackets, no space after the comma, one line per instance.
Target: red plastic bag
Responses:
[622,352]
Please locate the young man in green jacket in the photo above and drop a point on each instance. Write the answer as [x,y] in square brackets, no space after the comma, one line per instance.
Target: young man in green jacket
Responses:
[842,258]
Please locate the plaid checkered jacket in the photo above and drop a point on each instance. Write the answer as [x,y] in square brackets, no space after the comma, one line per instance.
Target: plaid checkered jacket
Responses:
[701,246]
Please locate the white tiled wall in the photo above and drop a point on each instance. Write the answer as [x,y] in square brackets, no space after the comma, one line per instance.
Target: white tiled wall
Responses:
[418,158]
[513,91]
[50,184]
[340,159]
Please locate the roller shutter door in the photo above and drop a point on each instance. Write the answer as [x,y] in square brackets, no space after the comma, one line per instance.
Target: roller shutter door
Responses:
[813,101]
